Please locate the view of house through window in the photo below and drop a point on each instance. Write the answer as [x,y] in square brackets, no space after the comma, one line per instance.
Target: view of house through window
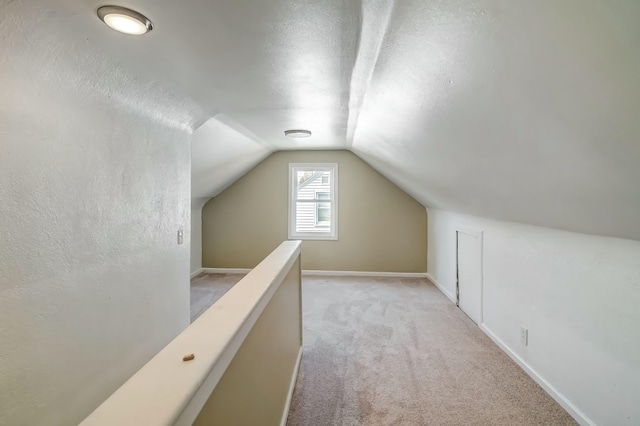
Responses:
[323,210]
[312,201]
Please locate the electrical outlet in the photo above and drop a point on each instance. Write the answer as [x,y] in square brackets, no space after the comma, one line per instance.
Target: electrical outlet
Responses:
[524,336]
[180,236]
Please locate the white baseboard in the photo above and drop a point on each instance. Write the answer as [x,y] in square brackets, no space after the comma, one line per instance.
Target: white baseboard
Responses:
[441,288]
[294,377]
[197,272]
[574,411]
[226,270]
[312,272]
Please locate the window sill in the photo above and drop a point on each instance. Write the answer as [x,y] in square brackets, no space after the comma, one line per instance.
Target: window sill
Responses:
[314,237]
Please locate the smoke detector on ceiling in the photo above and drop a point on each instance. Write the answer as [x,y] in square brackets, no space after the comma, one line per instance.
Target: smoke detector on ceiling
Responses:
[125,20]
[297,133]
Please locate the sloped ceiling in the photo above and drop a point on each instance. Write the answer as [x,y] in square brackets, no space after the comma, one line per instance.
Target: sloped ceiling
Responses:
[221,152]
[522,111]
[527,111]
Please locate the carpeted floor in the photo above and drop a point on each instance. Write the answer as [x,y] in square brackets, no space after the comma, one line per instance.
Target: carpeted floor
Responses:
[397,352]
[390,351]
[206,289]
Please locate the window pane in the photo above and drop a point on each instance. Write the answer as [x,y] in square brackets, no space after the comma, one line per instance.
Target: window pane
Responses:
[313,217]
[323,213]
[303,176]
[311,182]
[323,210]
[312,201]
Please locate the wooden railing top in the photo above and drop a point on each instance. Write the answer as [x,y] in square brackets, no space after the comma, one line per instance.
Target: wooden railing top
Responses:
[168,390]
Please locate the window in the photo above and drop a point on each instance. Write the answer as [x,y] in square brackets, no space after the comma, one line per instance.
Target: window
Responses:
[313,201]
[323,210]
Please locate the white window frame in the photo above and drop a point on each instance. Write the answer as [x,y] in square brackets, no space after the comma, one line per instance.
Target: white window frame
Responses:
[333,200]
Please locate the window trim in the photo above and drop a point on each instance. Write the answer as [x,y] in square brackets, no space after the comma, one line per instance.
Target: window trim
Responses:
[333,200]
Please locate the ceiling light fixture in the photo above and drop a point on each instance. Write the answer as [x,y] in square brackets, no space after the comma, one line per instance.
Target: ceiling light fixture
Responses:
[125,20]
[297,133]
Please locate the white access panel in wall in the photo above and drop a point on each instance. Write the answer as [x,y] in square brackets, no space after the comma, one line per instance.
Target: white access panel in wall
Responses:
[469,266]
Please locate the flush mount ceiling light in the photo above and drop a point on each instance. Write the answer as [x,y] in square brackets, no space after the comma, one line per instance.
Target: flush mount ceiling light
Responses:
[125,20]
[297,133]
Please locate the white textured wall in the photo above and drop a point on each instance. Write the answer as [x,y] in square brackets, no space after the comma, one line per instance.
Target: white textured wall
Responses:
[94,183]
[196,233]
[221,152]
[577,294]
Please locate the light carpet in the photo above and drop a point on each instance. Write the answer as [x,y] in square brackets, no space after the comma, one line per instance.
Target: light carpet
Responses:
[206,289]
[397,352]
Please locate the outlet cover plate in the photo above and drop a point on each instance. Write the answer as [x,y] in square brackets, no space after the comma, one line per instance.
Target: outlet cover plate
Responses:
[524,336]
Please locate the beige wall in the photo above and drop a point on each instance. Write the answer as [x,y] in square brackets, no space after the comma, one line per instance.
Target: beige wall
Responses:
[380,227]
[255,386]
[196,233]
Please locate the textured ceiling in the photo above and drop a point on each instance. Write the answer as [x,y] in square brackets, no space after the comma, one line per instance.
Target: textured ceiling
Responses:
[515,110]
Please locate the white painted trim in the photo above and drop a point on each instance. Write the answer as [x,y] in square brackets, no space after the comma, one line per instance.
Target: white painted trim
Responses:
[442,289]
[292,386]
[226,270]
[312,272]
[574,411]
[475,233]
[196,273]
[479,235]
[146,396]
[333,169]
